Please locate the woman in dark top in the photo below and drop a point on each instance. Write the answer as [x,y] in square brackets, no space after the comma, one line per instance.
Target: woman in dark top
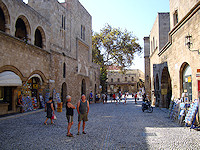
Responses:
[50,109]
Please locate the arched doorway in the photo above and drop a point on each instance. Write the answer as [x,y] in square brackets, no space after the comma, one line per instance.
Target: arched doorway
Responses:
[186,80]
[83,87]
[64,92]
[166,88]
[33,89]
[95,89]
[157,90]
[2,21]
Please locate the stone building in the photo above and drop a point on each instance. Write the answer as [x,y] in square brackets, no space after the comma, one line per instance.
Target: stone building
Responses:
[45,49]
[130,81]
[174,64]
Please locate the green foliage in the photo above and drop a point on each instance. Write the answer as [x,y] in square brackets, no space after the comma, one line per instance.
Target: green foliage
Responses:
[113,47]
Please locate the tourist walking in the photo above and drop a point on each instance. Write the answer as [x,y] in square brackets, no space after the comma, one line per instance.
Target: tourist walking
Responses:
[83,110]
[69,114]
[50,109]
[103,98]
[91,97]
[125,98]
[106,99]
[136,98]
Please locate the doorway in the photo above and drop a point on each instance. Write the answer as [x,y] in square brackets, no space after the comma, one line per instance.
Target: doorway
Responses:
[166,88]
[63,92]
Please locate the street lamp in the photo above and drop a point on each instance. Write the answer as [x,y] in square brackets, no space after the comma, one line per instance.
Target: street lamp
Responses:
[188,41]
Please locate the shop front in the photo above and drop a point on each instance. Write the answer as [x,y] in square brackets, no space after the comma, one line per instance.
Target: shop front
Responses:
[32,93]
[187,82]
[9,82]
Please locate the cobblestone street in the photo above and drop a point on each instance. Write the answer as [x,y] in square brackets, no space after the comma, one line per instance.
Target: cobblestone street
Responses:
[110,126]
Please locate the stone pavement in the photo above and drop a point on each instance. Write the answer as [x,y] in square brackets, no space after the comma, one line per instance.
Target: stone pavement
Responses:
[110,126]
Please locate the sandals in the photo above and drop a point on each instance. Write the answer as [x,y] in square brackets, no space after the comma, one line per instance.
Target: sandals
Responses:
[83,132]
[45,123]
[70,135]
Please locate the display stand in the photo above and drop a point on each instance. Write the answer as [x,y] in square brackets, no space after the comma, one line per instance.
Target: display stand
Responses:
[191,114]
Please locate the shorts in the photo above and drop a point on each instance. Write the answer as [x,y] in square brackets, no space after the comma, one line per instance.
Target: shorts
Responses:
[83,117]
[69,118]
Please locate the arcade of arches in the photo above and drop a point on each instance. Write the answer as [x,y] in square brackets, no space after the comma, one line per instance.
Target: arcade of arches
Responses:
[163,85]
[166,88]
[13,86]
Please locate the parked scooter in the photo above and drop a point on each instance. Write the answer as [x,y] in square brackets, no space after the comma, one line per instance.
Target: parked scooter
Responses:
[146,105]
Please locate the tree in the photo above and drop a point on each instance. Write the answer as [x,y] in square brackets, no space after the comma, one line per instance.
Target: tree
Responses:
[113,47]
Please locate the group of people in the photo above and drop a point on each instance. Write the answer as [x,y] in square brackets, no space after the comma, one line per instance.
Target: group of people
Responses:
[82,109]
[96,97]
[114,97]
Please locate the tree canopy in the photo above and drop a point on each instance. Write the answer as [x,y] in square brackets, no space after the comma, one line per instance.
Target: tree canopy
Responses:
[114,46]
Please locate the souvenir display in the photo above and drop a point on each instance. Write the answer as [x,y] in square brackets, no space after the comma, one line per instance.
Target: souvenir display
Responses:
[42,101]
[58,97]
[191,114]
[34,103]
[47,95]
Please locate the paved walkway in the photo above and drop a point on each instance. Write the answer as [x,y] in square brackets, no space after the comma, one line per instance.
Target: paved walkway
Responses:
[110,126]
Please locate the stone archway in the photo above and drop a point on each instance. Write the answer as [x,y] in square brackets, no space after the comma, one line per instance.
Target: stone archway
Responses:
[2,21]
[64,92]
[166,88]
[6,21]
[40,39]
[22,29]
[157,90]
[186,81]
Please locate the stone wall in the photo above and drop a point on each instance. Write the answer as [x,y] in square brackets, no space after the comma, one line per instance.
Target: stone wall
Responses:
[183,7]
[61,45]
[175,54]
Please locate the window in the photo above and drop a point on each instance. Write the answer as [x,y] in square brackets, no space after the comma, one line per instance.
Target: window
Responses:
[125,78]
[153,44]
[118,79]
[38,38]
[187,81]
[82,32]
[21,31]
[132,78]
[111,79]
[175,16]
[63,22]
[64,70]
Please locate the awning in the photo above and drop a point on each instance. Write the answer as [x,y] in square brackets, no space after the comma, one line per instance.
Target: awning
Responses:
[9,78]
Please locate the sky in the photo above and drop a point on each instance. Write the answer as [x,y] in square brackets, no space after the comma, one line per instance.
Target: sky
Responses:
[137,16]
